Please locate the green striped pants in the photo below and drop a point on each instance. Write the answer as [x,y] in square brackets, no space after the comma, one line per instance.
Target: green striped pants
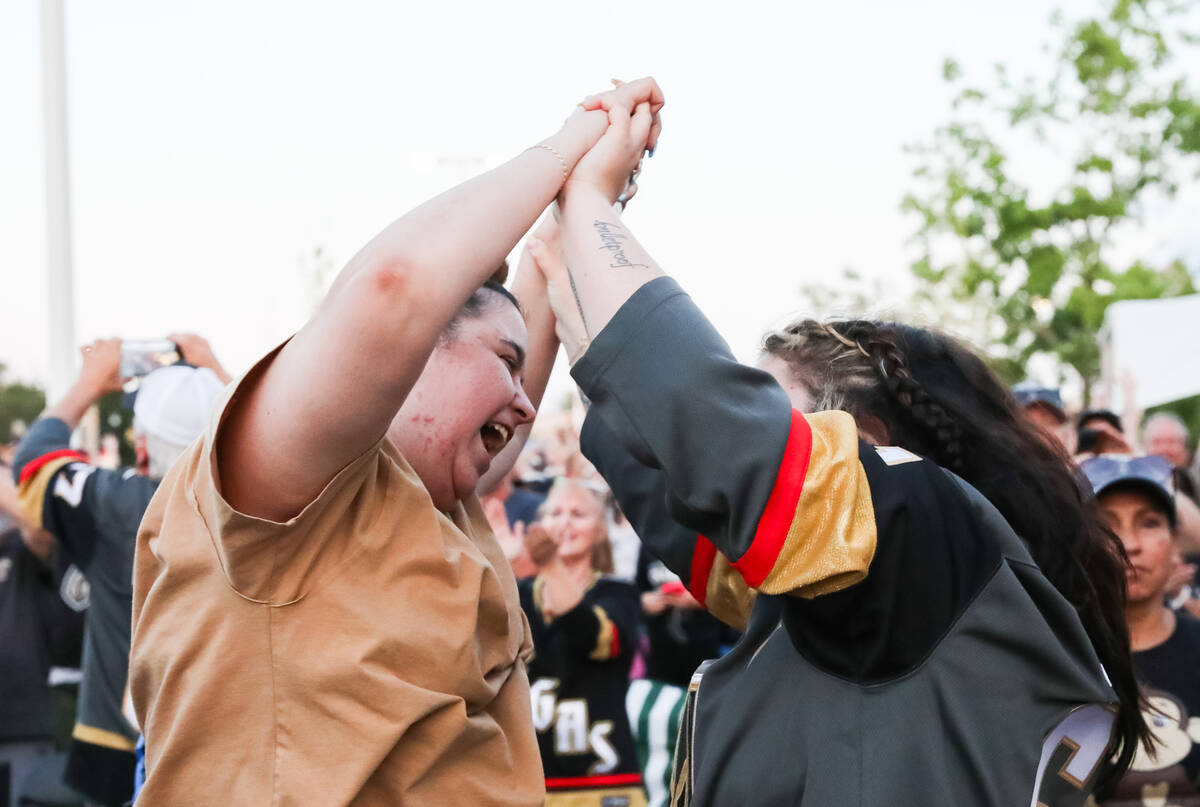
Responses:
[654,710]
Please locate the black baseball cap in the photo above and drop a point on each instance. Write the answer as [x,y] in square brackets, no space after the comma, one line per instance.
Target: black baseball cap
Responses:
[1151,475]
[1107,415]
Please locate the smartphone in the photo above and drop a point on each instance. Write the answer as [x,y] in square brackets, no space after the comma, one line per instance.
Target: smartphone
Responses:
[142,356]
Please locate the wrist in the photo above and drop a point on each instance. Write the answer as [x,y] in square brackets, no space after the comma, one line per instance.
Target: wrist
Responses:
[577,135]
[577,194]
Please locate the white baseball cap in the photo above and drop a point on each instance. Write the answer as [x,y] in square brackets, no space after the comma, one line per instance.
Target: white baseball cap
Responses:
[174,403]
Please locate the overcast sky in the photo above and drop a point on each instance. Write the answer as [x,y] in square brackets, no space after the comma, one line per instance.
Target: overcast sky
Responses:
[216,144]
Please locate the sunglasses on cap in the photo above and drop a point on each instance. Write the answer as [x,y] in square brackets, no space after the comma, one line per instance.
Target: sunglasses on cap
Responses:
[1102,471]
[1153,474]
[1028,394]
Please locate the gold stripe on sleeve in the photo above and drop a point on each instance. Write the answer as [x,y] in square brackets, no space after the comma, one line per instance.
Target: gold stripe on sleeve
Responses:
[604,639]
[831,541]
[103,737]
[31,493]
[727,596]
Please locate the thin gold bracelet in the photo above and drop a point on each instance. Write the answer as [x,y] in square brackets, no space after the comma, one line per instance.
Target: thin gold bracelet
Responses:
[550,149]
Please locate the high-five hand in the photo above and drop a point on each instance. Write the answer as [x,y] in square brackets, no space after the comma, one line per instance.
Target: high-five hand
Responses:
[633,129]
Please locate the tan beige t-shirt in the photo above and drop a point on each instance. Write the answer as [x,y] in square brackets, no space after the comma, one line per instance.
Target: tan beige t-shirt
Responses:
[368,652]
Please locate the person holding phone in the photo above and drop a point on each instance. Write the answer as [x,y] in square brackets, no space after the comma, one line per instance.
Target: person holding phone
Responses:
[94,513]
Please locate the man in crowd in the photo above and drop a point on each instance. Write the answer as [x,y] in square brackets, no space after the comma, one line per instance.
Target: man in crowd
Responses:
[1166,435]
[1044,408]
[1100,431]
[94,513]
[1137,501]
[38,630]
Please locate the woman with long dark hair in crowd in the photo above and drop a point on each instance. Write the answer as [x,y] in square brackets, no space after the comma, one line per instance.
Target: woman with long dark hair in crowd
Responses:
[585,627]
[933,610]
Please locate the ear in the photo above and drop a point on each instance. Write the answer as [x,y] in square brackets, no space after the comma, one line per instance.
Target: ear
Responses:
[142,463]
[871,429]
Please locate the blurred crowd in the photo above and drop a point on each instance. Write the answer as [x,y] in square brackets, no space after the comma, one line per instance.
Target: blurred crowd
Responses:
[617,635]
[290,592]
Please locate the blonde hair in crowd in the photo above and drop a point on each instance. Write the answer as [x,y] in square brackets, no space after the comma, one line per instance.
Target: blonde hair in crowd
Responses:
[602,553]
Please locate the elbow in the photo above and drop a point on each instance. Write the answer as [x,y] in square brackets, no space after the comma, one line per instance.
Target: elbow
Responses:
[391,281]
[380,289]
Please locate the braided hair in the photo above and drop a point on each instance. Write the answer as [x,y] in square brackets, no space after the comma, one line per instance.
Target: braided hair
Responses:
[938,399]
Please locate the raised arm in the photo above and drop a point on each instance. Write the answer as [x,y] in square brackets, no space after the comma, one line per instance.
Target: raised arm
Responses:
[99,374]
[529,288]
[607,264]
[780,497]
[332,390]
[647,502]
[197,352]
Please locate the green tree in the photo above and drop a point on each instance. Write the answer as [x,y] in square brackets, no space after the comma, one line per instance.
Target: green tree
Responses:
[1026,258]
[18,403]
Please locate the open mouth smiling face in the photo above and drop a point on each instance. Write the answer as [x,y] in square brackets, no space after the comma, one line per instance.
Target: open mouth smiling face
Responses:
[495,437]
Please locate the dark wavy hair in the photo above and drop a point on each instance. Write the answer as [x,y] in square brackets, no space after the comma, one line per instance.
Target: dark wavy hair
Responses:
[479,301]
[937,398]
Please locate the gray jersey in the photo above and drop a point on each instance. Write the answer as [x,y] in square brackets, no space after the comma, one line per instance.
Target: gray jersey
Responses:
[94,513]
[902,647]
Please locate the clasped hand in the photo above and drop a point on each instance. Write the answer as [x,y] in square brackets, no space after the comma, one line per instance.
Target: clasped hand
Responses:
[633,129]
[609,169]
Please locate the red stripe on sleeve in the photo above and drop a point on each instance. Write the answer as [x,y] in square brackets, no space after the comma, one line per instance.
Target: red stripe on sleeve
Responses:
[702,562]
[777,516]
[34,466]
[614,647]
[611,780]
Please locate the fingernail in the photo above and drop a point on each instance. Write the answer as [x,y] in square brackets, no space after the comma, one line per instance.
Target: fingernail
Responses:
[650,152]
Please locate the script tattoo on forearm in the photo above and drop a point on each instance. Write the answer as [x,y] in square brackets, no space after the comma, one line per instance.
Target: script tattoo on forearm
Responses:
[611,237]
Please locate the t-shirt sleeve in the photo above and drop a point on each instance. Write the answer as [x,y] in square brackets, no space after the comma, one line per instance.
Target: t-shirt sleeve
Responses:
[275,561]
[774,496]
[77,502]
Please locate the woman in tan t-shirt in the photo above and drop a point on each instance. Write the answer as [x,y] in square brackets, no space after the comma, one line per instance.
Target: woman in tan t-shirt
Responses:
[321,614]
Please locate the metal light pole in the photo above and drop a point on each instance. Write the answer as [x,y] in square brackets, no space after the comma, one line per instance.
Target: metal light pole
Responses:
[61,310]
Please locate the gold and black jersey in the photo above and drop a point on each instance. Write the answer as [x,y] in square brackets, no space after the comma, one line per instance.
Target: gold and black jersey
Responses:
[94,514]
[577,680]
